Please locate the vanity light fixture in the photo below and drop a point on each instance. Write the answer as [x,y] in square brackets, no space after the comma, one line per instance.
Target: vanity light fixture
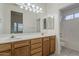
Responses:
[30,7]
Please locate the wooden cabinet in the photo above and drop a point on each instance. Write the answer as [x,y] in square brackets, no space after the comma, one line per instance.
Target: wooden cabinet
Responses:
[22,51]
[21,48]
[45,46]
[36,47]
[5,49]
[52,44]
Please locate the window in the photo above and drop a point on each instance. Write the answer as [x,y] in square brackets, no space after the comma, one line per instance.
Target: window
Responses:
[20,27]
[45,24]
[71,12]
[68,17]
[76,15]
[16,22]
[15,27]
[72,16]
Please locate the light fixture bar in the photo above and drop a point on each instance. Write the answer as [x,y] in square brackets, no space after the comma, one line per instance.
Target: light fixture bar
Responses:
[30,7]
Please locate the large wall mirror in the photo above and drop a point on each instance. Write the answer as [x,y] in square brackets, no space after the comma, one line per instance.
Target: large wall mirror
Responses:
[16,22]
[14,19]
[48,23]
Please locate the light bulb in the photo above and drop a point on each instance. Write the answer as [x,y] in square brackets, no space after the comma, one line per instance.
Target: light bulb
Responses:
[30,9]
[40,8]
[26,8]
[37,7]
[33,6]
[21,7]
[37,11]
[51,16]
[28,4]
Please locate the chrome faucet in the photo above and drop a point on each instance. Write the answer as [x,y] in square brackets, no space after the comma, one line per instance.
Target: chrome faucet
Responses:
[12,36]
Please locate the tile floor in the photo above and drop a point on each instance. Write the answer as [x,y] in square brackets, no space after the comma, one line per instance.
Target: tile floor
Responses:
[67,52]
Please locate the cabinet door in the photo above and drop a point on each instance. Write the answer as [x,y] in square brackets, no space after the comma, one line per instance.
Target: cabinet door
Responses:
[5,53]
[45,46]
[52,44]
[28,51]
[22,51]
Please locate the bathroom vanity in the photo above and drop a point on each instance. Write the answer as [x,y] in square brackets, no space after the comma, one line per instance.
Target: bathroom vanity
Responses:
[42,44]
[14,26]
[38,46]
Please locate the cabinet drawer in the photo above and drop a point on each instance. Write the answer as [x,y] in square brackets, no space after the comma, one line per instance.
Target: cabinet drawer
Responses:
[37,54]
[33,41]
[52,46]
[21,43]
[5,53]
[45,38]
[46,48]
[36,50]
[4,47]
[36,46]
[52,37]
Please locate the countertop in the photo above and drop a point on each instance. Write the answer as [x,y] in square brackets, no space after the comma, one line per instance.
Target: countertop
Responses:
[7,38]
